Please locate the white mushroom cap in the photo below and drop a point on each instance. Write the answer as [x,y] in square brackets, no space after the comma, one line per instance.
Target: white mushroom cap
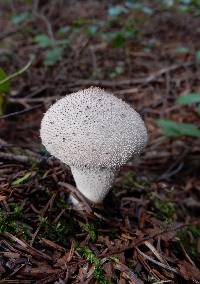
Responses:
[93,129]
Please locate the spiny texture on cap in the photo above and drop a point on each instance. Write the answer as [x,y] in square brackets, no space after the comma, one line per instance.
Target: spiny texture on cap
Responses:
[92,128]
[93,184]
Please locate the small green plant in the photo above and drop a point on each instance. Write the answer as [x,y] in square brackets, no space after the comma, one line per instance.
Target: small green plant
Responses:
[130,180]
[117,10]
[191,98]
[53,48]
[182,49]
[120,37]
[190,244]
[16,210]
[118,70]
[61,203]
[4,90]
[5,84]
[11,222]
[183,6]
[177,129]
[114,258]
[20,18]
[98,272]
[90,229]
[166,209]
[21,180]
[56,231]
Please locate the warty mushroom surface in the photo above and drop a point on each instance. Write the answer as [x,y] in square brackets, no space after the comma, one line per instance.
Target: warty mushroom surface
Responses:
[94,133]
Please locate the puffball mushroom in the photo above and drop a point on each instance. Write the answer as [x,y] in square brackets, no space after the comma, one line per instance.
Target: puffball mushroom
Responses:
[94,133]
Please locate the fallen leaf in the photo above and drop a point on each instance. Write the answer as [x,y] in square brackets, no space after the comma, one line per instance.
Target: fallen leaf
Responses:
[2,198]
[189,271]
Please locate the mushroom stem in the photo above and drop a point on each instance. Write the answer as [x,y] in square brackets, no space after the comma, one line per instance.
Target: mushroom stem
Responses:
[94,184]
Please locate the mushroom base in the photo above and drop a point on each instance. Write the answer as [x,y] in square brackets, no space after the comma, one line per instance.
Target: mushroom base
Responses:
[94,184]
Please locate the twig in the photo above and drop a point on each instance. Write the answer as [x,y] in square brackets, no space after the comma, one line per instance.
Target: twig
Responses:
[17,73]
[24,246]
[139,242]
[21,111]
[2,198]
[156,253]
[171,171]
[14,30]
[42,215]
[127,91]
[18,158]
[13,157]
[44,19]
[128,273]
[34,100]
[94,60]
[106,83]
[157,262]
[77,194]
[49,28]
[139,81]
[163,281]
[58,217]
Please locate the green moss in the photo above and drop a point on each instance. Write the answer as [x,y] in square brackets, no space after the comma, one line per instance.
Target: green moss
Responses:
[3,222]
[114,258]
[58,232]
[98,273]
[166,209]
[11,222]
[112,234]
[131,180]
[91,230]
[189,238]
[16,210]
[61,203]
[43,222]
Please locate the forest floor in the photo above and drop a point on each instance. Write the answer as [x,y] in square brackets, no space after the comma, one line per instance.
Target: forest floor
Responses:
[148,230]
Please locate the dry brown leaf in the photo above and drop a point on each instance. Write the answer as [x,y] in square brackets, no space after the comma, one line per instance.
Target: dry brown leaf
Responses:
[2,198]
[189,271]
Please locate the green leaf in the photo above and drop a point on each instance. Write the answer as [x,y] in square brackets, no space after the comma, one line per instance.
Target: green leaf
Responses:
[116,38]
[5,87]
[186,2]
[62,42]
[182,49]
[2,104]
[21,180]
[117,71]
[20,18]
[130,31]
[189,99]
[63,30]
[92,30]
[198,109]
[43,40]
[168,3]
[119,40]
[175,129]
[117,10]
[197,55]
[140,7]
[53,56]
